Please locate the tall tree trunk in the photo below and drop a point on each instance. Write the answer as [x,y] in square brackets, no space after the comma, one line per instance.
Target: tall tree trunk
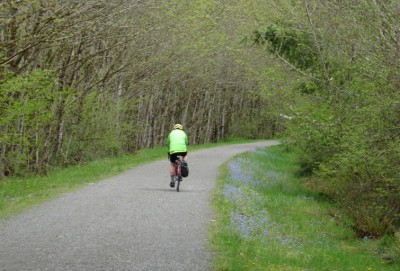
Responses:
[3,153]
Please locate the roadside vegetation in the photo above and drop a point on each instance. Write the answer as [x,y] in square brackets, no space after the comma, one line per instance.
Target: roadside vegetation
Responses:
[347,124]
[267,219]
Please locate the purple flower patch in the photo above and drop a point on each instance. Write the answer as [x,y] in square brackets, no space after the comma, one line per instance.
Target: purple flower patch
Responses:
[233,193]
[250,226]
[239,175]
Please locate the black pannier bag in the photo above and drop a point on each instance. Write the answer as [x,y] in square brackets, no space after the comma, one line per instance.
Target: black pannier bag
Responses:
[184,169]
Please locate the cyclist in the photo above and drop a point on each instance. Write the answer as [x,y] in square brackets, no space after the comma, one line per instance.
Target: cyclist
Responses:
[177,143]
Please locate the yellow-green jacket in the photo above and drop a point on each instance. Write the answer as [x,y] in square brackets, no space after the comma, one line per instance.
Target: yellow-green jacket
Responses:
[177,141]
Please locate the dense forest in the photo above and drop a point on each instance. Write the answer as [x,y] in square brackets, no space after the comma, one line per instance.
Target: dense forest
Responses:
[80,80]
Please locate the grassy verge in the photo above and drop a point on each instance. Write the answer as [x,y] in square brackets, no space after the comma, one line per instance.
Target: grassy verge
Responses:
[266,220]
[18,194]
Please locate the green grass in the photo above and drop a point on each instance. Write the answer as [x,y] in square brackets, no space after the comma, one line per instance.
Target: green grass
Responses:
[267,220]
[18,194]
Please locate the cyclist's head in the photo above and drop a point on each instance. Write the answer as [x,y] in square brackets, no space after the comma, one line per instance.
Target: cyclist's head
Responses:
[178,126]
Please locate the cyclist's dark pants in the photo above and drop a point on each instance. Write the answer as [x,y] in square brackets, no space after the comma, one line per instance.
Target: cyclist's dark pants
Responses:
[173,157]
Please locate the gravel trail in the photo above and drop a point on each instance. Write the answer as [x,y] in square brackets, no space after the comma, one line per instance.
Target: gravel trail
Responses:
[133,221]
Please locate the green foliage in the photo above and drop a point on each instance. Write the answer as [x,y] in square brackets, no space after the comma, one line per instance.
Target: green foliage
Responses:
[347,126]
[364,175]
[93,129]
[253,124]
[26,109]
[314,130]
[308,86]
[353,149]
[296,47]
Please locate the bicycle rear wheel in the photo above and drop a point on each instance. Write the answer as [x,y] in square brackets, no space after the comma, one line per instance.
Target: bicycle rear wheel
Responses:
[178,182]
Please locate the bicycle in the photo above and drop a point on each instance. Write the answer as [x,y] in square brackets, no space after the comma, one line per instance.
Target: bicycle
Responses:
[178,176]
